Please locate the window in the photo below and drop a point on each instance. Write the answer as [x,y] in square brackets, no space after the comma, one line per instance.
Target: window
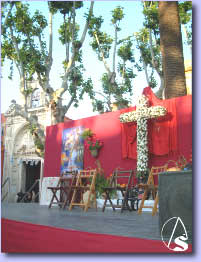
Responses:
[35,98]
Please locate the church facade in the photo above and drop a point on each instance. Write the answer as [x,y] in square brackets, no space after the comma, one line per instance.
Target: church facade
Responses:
[22,167]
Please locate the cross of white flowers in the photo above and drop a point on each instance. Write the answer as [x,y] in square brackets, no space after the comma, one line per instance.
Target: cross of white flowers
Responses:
[141,115]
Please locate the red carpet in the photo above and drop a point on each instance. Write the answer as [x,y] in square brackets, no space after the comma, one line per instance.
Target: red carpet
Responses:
[20,237]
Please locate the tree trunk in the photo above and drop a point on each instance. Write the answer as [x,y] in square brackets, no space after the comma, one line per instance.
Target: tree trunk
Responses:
[171,49]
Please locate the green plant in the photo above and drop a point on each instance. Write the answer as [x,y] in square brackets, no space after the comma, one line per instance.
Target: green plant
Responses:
[102,182]
[93,143]
[90,140]
[87,133]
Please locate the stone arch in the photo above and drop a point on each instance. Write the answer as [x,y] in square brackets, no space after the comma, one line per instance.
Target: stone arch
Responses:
[21,130]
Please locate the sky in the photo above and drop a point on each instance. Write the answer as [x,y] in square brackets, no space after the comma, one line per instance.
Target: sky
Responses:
[132,22]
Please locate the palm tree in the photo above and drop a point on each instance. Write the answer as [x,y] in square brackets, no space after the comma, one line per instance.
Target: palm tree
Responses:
[171,49]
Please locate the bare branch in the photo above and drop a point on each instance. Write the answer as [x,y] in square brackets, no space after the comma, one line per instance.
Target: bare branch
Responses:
[160,93]
[152,54]
[102,55]
[145,67]
[70,103]
[17,51]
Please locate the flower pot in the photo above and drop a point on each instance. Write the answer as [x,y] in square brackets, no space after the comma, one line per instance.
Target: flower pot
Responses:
[86,196]
[103,195]
[94,152]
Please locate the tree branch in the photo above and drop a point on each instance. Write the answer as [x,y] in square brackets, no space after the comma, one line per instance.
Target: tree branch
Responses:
[160,93]
[6,18]
[115,47]
[87,23]
[64,85]
[102,55]
[67,43]
[145,67]
[152,54]
[50,60]
[70,103]
[17,51]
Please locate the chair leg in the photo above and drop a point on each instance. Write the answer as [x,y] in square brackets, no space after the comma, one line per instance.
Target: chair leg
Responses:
[125,202]
[66,202]
[72,200]
[88,202]
[142,201]
[107,198]
[154,210]
[50,205]
[53,197]
[104,204]
[95,201]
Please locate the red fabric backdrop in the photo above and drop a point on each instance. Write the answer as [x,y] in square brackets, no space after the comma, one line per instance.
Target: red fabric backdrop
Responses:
[107,127]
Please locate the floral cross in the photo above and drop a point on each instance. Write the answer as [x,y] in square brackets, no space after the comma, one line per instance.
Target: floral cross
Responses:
[141,115]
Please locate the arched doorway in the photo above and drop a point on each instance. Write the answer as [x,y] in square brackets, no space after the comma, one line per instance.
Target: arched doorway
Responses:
[30,170]
[32,177]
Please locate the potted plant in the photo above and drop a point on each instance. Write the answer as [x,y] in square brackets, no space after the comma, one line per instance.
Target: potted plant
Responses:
[87,133]
[91,142]
[102,182]
[94,146]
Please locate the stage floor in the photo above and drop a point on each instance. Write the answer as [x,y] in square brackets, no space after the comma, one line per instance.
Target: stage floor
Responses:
[110,222]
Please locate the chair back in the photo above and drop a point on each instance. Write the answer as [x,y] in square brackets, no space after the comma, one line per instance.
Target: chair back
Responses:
[153,175]
[87,178]
[122,178]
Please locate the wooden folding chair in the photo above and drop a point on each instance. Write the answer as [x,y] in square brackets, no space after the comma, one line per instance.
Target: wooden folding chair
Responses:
[121,181]
[67,182]
[55,200]
[85,182]
[63,187]
[152,186]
